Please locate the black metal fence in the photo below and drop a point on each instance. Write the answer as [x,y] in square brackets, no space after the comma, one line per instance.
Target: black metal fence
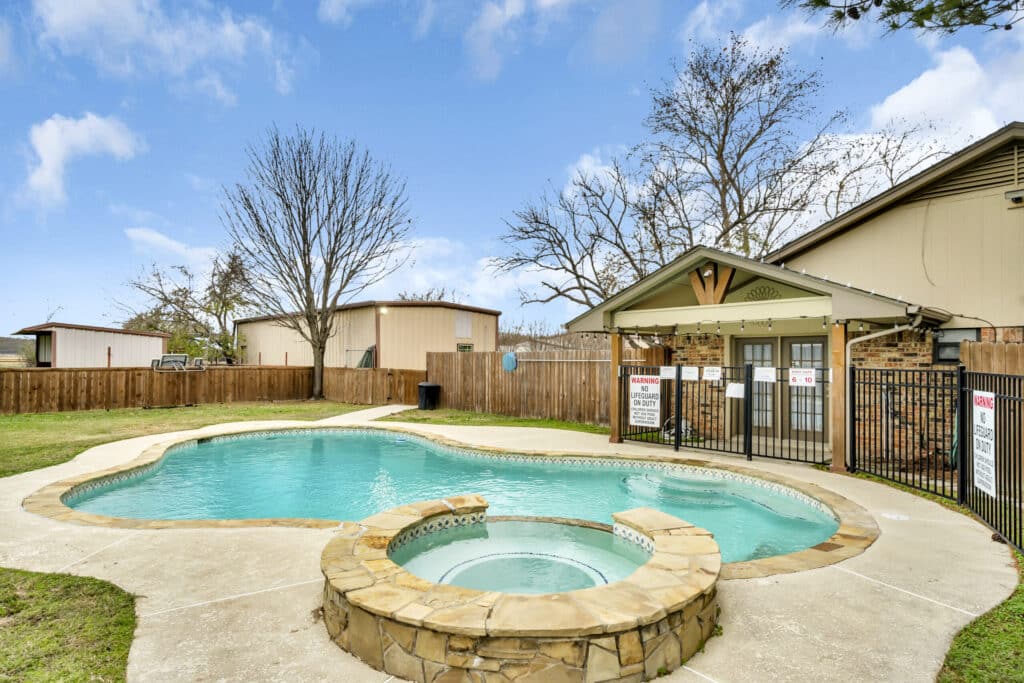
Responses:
[952,433]
[742,410]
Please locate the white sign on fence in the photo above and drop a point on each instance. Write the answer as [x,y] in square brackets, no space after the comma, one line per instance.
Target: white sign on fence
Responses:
[690,373]
[667,372]
[984,433]
[801,377]
[713,373]
[645,401]
[764,374]
[734,390]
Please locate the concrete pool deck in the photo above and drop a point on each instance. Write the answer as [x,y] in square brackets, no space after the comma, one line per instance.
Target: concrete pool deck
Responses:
[240,604]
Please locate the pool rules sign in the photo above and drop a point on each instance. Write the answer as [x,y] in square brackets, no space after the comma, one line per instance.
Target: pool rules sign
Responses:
[644,401]
[984,437]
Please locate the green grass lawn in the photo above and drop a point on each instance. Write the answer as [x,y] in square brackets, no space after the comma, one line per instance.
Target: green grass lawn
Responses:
[990,648]
[36,440]
[57,627]
[466,417]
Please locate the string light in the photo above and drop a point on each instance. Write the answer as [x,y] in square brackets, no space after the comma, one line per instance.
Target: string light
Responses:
[860,328]
[824,322]
[743,325]
[718,328]
[698,328]
[769,324]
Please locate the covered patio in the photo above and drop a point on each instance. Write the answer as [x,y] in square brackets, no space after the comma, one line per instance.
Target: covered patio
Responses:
[739,328]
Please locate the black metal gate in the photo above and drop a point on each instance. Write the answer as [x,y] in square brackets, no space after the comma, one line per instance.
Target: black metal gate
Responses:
[742,410]
[917,428]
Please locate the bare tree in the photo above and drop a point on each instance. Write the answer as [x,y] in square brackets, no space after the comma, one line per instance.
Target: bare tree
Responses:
[741,126]
[431,294]
[198,314]
[592,238]
[866,164]
[317,222]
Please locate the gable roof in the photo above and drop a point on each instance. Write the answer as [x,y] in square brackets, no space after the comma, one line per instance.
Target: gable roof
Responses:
[908,188]
[698,255]
[49,327]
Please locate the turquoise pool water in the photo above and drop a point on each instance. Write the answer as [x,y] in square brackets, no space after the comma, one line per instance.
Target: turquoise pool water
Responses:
[521,557]
[348,475]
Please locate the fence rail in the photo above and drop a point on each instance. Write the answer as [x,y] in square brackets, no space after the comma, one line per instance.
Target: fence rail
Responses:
[918,428]
[40,390]
[764,418]
[557,385]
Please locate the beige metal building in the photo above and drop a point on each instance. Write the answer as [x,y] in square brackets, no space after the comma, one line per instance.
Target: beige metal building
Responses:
[63,345]
[896,282]
[384,334]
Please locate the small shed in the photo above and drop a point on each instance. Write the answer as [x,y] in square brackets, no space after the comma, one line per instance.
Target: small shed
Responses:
[375,334]
[64,345]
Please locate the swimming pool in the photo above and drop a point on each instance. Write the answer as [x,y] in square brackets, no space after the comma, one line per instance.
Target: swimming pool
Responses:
[351,474]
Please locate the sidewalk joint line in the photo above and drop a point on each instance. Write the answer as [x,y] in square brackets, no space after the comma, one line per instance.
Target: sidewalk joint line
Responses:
[230,597]
[92,554]
[697,673]
[904,590]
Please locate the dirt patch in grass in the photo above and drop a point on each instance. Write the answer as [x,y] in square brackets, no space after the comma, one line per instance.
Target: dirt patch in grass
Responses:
[57,627]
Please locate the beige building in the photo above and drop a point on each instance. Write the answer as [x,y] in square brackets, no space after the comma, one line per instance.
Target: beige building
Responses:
[896,282]
[384,334]
[63,345]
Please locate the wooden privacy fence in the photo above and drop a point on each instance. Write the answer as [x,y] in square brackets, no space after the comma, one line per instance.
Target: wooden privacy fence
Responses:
[557,385]
[372,387]
[999,357]
[40,390]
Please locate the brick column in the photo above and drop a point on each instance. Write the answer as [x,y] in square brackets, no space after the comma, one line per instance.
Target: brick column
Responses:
[837,399]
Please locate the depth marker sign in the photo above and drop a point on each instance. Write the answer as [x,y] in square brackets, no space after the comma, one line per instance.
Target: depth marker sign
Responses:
[984,437]
[644,401]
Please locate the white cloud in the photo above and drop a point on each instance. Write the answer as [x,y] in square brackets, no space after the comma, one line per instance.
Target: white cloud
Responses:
[132,37]
[490,34]
[340,11]
[622,30]
[60,139]
[212,85]
[6,47]
[157,245]
[774,32]
[704,22]
[970,99]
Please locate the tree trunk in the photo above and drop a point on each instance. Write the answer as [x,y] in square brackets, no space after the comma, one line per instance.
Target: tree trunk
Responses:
[318,373]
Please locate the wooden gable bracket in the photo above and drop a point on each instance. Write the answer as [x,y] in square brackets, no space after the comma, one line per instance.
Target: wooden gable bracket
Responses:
[710,289]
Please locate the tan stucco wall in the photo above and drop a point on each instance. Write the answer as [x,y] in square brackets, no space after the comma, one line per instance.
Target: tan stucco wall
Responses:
[406,335]
[88,349]
[961,253]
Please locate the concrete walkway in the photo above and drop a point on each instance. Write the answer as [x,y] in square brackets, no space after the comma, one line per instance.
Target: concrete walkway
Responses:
[239,604]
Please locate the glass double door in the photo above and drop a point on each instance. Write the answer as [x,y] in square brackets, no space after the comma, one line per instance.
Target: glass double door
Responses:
[777,407]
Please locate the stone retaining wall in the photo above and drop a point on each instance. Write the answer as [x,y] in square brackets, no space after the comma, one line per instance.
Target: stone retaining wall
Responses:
[631,630]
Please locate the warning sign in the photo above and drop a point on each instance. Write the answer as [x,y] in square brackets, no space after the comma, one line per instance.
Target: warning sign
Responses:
[984,438]
[645,401]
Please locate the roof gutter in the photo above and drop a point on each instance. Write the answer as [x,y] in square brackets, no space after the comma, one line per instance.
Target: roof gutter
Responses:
[849,354]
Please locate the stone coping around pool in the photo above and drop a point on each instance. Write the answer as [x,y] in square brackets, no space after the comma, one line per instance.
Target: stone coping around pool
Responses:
[857,528]
[635,629]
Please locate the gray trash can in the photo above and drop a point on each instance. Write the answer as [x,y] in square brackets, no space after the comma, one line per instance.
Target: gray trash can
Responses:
[430,395]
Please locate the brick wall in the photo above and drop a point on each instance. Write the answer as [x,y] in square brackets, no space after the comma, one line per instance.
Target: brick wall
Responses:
[1002,334]
[704,408]
[908,350]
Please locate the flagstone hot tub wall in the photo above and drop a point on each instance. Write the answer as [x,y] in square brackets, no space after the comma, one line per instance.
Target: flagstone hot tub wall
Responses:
[631,630]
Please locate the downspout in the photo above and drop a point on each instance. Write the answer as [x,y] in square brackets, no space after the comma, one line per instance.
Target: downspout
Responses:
[849,356]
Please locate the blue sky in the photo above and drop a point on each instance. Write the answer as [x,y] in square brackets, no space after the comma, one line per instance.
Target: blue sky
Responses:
[121,119]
